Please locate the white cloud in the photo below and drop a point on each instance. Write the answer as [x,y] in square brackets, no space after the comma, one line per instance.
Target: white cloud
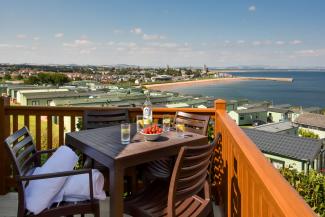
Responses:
[280,42]
[36,38]
[78,43]
[264,42]
[126,44]
[257,43]
[136,30]
[82,42]
[240,41]
[252,8]
[110,43]
[164,45]
[121,49]
[87,51]
[148,37]
[295,42]
[311,53]
[20,46]
[5,45]
[21,36]
[59,35]
[84,51]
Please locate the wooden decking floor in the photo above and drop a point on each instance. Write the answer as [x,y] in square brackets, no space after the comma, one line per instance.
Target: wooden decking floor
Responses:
[9,202]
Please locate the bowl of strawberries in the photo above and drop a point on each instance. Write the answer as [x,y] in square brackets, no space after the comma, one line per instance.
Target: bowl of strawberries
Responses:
[152,132]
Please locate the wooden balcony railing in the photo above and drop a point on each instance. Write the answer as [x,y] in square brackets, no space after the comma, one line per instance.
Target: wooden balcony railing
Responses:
[244,182]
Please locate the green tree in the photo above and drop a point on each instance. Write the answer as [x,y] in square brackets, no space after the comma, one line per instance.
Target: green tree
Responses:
[308,134]
[310,186]
[48,78]
[19,77]
[7,77]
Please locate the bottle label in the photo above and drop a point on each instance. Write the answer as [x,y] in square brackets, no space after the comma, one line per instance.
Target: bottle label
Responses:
[146,112]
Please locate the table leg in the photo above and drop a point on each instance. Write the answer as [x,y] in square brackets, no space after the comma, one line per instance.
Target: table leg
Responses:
[116,187]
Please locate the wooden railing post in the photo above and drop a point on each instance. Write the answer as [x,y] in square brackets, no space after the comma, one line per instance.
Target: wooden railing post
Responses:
[4,133]
[220,106]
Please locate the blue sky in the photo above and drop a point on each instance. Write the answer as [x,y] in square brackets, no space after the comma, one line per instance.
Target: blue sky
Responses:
[278,33]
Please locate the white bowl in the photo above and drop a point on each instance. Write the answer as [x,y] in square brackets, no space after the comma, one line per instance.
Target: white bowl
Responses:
[151,137]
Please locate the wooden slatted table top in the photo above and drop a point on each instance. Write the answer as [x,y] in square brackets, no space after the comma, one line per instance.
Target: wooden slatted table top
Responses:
[107,141]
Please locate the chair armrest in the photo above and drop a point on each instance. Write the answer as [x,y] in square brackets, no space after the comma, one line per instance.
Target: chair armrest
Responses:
[62,174]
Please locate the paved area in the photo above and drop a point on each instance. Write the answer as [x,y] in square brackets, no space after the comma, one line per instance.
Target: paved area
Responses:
[9,203]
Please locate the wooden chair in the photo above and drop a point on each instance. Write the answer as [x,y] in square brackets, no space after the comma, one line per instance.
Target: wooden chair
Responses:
[97,119]
[193,123]
[182,196]
[25,159]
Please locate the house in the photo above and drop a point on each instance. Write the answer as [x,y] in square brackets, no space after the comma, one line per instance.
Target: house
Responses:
[249,116]
[285,150]
[312,122]
[161,78]
[275,115]
[232,105]
[250,105]
[286,127]
[44,99]
[45,90]
[301,110]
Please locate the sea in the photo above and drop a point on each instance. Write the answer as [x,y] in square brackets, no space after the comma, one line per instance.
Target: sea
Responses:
[307,88]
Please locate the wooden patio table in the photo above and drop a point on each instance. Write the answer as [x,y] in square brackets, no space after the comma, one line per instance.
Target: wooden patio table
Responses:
[104,145]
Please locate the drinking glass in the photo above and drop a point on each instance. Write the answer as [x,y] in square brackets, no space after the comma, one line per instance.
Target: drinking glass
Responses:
[166,123]
[180,129]
[125,133]
[140,123]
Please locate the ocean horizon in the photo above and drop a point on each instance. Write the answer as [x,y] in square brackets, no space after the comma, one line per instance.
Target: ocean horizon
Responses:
[307,89]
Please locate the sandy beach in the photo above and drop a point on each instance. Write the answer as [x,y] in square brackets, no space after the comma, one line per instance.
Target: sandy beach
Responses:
[173,85]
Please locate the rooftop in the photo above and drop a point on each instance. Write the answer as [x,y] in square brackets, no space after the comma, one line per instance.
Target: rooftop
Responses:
[276,127]
[295,147]
[279,110]
[282,106]
[311,119]
[251,110]
[61,94]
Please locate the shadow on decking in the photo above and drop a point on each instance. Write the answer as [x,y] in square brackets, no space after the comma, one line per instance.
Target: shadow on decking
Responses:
[9,203]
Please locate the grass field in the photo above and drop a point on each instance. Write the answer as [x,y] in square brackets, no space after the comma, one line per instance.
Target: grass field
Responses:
[32,128]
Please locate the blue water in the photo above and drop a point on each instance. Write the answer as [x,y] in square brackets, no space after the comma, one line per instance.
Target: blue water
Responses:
[307,89]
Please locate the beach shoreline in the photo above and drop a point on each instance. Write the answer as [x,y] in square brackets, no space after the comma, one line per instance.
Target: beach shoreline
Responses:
[172,85]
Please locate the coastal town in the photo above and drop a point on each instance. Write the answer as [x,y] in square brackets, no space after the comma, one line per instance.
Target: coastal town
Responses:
[162,108]
[124,87]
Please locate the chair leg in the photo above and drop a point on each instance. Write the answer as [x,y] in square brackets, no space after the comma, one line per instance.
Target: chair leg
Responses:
[97,212]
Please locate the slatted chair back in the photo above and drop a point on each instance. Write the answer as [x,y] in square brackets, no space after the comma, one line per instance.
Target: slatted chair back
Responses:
[24,158]
[193,123]
[98,119]
[189,174]
[22,152]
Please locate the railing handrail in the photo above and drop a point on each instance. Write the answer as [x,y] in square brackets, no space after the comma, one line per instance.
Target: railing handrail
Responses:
[78,111]
[284,195]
